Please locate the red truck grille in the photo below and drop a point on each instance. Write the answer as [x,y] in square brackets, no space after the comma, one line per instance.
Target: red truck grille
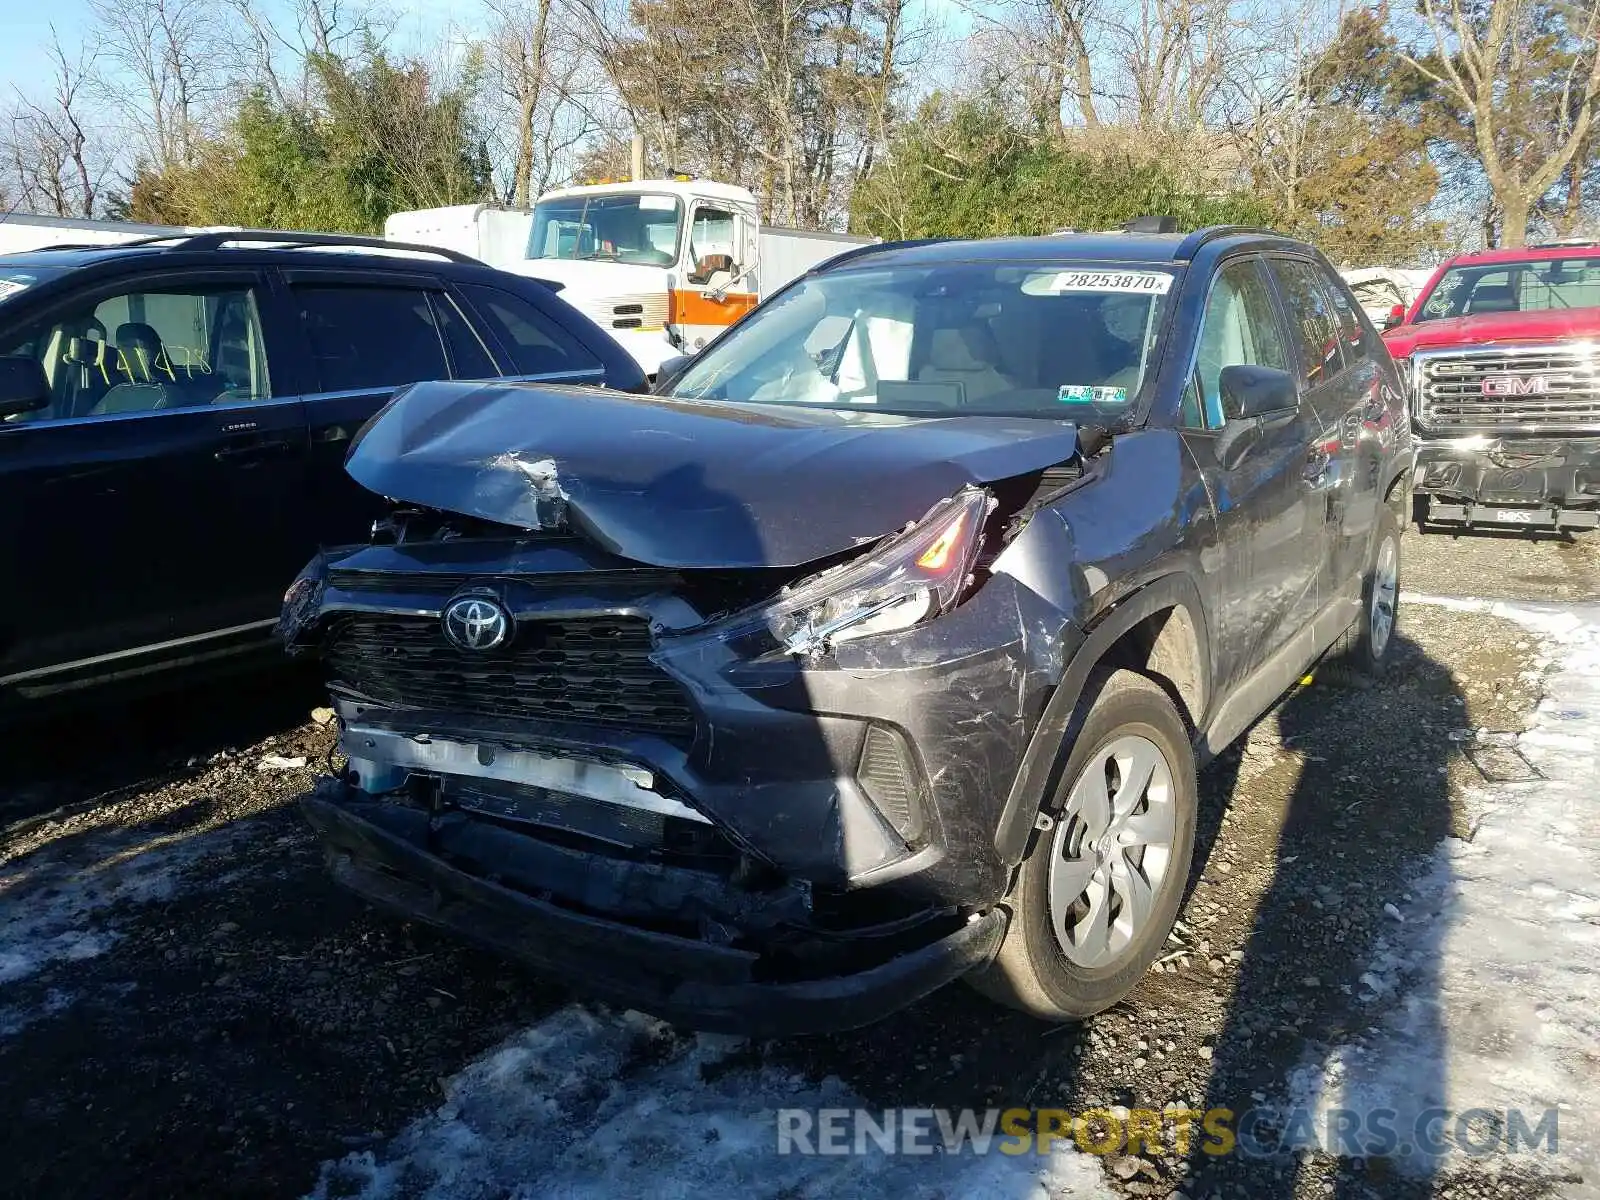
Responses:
[1544,389]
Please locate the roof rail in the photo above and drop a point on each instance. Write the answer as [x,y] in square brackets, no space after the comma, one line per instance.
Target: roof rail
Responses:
[216,239]
[1190,245]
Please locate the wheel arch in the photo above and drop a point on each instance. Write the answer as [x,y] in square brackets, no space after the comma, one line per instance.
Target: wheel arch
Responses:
[1160,631]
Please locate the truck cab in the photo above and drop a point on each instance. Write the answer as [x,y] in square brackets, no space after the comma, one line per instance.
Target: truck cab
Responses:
[1501,353]
[663,265]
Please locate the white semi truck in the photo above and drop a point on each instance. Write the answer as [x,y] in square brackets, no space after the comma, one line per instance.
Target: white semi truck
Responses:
[663,265]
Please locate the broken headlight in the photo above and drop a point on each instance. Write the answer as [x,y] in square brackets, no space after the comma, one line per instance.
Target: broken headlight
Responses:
[914,576]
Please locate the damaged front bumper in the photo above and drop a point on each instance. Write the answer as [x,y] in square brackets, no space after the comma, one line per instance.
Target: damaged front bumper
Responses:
[644,805]
[401,860]
[1528,483]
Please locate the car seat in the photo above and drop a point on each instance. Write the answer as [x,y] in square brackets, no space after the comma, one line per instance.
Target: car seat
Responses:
[1496,298]
[965,354]
[140,357]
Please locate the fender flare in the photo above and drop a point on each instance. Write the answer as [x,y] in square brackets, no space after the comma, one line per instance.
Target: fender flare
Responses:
[1047,750]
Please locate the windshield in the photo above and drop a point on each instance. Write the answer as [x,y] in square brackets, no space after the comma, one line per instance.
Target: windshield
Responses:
[1020,340]
[15,282]
[1527,286]
[618,228]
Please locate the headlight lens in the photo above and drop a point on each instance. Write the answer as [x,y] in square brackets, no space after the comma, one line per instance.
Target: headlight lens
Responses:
[913,577]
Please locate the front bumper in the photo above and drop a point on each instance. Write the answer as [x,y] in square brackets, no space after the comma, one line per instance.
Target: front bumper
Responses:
[381,851]
[1529,483]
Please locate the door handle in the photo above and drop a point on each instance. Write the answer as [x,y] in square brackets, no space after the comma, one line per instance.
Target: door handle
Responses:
[247,452]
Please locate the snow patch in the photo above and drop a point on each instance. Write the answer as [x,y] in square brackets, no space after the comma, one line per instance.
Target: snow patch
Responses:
[589,1105]
[54,911]
[1487,994]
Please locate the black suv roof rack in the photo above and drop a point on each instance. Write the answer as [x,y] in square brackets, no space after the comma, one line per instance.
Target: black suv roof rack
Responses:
[215,239]
[1190,245]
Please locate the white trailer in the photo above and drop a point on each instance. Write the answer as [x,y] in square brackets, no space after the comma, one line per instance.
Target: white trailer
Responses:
[21,232]
[663,265]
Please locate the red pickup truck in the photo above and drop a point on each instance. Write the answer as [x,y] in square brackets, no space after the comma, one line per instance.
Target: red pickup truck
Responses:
[1501,351]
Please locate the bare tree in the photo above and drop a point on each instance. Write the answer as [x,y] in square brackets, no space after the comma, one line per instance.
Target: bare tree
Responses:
[545,89]
[56,164]
[165,69]
[1519,81]
[276,54]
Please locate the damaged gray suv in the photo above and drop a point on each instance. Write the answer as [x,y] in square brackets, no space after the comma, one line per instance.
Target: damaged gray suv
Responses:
[880,646]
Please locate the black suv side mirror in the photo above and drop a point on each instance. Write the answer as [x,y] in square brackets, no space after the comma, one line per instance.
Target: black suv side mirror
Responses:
[667,373]
[23,386]
[1250,391]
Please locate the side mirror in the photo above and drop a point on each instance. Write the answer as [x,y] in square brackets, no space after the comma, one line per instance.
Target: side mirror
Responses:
[667,373]
[23,387]
[1397,316]
[708,266]
[1249,392]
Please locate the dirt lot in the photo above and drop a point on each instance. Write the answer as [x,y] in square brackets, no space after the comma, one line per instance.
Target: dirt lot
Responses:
[188,1007]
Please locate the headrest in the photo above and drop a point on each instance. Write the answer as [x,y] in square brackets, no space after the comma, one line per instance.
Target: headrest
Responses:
[131,334]
[964,348]
[1495,299]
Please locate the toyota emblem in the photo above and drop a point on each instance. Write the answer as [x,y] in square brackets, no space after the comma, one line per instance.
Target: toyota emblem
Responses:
[476,623]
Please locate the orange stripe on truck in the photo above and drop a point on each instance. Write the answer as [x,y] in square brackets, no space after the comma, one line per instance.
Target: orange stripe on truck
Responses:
[696,308]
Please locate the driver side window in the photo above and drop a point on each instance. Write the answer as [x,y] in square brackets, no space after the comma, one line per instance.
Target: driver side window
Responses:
[712,233]
[140,351]
[1238,328]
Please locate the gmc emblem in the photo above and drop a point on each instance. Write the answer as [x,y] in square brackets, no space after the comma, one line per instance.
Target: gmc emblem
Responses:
[1521,385]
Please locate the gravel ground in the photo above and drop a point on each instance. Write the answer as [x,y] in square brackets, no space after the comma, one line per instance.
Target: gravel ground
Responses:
[187,1006]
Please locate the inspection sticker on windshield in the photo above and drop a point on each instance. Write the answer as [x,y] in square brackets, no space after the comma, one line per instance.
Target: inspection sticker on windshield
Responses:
[1145,283]
[1083,393]
[10,287]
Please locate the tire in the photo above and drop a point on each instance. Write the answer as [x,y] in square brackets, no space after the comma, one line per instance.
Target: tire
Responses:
[1363,651]
[1123,713]
[1419,513]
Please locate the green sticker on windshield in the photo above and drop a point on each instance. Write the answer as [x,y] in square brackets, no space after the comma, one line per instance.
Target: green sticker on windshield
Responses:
[1084,393]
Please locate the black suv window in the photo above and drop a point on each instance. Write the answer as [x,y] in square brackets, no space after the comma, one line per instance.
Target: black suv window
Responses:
[468,358]
[1239,328]
[158,348]
[537,344]
[371,337]
[1311,316]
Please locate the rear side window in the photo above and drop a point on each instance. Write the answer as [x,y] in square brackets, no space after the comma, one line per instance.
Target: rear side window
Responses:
[371,337]
[536,343]
[1350,329]
[468,358]
[1312,319]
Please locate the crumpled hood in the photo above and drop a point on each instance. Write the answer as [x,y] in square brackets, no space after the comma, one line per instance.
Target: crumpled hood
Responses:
[680,483]
[1543,325]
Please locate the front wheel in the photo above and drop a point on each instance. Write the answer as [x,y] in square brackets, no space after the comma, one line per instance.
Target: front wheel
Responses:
[1098,890]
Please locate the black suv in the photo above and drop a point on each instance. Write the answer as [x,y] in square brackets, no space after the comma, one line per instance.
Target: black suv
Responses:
[189,400]
[881,645]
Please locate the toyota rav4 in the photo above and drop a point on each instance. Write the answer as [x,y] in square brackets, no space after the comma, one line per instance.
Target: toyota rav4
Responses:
[880,647]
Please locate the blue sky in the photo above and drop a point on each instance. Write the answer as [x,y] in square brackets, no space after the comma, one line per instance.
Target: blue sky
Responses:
[25,30]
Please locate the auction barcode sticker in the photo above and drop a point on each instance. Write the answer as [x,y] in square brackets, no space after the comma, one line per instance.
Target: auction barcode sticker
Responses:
[10,287]
[1148,283]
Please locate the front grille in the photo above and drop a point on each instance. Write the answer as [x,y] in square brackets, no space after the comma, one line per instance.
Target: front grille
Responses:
[589,671]
[647,310]
[1535,389]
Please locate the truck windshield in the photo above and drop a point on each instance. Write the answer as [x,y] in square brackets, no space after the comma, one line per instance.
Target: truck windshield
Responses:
[637,228]
[1526,286]
[1036,340]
